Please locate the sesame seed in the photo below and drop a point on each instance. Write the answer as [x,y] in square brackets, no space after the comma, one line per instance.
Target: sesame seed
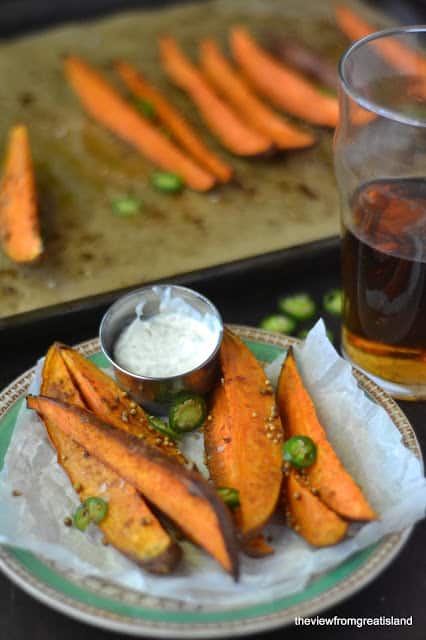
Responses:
[68,521]
[269,436]
[222,381]
[125,394]
[209,418]
[125,416]
[158,440]
[146,521]
[296,495]
[296,527]
[133,404]
[254,414]
[133,412]
[315,491]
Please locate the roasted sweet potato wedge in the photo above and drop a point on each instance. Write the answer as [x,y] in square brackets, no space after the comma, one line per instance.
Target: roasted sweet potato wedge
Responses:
[311,518]
[327,475]
[182,495]
[105,398]
[130,525]
[244,445]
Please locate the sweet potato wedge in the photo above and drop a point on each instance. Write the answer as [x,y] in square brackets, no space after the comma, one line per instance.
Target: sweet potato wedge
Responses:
[182,495]
[234,134]
[251,462]
[284,86]
[257,547]
[130,525]
[231,85]
[105,398]
[19,223]
[176,123]
[109,109]
[397,54]
[327,476]
[311,518]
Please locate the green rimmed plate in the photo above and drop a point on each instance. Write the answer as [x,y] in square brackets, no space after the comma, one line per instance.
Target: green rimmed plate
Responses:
[113,607]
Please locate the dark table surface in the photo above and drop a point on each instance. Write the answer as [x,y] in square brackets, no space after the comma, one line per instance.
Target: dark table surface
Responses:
[243,295]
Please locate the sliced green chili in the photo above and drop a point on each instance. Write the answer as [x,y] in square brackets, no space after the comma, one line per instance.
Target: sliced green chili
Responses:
[167,182]
[230,496]
[333,302]
[162,427]
[97,508]
[187,412]
[81,518]
[278,323]
[126,206]
[300,306]
[300,451]
[145,107]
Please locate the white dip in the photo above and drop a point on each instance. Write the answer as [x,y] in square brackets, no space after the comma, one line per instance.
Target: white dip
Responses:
[167,344]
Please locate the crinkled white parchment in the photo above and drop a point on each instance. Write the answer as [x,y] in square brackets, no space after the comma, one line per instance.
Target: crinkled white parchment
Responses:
[362,433]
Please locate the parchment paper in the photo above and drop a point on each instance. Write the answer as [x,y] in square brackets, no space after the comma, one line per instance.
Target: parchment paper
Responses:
[361,431]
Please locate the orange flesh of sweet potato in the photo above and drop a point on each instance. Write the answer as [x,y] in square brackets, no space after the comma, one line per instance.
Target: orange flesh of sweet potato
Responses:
[224,122]
[256,436]
[105,398]
[130,526]
[310,517]
[182,495]
[19,224]
[336,488]
[284,86]
[171,118]
[233,87]
[257,547]
[109,109]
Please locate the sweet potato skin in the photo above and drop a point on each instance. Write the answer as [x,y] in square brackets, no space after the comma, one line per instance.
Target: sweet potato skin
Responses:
[336,488]
[130,525]
[254,459]
[105,398]
[311,518]
[182,495]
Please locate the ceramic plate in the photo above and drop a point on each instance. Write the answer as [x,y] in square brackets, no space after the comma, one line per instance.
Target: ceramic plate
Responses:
[112,607]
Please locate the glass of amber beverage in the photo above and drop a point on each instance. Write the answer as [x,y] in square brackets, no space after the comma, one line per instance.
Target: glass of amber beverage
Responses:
[380,164]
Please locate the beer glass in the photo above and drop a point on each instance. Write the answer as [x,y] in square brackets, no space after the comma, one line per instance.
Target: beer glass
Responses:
[380,164]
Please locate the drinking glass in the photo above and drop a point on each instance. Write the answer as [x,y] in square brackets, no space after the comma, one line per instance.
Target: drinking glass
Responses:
[380,164]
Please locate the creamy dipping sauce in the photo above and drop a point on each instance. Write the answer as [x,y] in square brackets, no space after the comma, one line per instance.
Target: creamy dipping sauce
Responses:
[167,344]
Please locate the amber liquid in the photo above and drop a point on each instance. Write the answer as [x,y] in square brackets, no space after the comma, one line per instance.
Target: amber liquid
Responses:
[384,282]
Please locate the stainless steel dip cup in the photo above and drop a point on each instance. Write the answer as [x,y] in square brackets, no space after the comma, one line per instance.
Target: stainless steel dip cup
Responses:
[156,393]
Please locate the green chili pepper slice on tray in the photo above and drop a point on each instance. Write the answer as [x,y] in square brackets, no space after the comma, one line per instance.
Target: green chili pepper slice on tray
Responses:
[187,412]
[230,496]
[126,206]
[145,107]
[162,427]
[300,451]
[167,182]
[333,302]
[300,306]
[278,323]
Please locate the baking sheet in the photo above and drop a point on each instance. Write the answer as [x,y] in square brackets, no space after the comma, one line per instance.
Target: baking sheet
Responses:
[80,167]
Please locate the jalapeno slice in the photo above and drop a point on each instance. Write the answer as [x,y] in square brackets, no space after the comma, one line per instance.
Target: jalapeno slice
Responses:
[162,427]
[300,306]
[300,451]
[230,496]
[187,412]
[167,182]
[81,518]
[97,508]
[333,302]
[278,323]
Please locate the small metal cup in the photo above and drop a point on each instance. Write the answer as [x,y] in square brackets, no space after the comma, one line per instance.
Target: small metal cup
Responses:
[155,394]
